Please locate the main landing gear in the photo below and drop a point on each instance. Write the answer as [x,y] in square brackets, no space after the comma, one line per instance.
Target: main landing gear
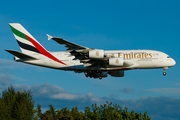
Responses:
[164,73]
[94,74]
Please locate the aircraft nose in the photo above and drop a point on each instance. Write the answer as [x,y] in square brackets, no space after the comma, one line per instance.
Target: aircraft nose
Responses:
[173,62]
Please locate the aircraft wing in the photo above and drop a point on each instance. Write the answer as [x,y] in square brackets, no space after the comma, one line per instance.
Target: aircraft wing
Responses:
[67,44]
[82,53]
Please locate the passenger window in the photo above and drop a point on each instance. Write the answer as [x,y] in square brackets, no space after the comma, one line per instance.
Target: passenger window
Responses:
[168,57]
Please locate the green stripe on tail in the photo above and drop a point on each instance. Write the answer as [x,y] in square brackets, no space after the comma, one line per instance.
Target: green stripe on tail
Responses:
[18,33]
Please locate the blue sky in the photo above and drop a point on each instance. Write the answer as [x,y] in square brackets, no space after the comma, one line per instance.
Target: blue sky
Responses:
[109,25]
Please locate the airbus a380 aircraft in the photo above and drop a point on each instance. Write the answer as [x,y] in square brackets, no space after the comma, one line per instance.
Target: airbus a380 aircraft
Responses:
[94,63]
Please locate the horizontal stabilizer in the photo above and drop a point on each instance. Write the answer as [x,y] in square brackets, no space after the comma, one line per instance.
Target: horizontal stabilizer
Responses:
[21,55]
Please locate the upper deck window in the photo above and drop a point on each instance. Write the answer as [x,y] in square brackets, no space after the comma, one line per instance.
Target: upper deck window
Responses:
[168,57]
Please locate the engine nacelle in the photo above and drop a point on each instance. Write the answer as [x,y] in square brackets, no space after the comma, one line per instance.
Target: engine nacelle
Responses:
[97,54]
[117,73]
[116,61]
[103,74]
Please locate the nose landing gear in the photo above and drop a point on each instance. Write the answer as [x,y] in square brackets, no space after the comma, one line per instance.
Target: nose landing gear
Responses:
[164,73]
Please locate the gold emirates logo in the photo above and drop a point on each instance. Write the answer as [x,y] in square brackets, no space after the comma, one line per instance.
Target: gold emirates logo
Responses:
[135,55]
[117,61]
[97,53]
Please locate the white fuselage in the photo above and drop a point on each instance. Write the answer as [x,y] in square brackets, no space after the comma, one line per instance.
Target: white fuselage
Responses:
[133,59]
[96,63]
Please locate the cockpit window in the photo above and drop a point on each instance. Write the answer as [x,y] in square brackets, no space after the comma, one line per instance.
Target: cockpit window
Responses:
[168,57]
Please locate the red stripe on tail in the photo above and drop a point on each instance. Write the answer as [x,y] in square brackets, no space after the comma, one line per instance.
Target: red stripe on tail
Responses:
[44,51]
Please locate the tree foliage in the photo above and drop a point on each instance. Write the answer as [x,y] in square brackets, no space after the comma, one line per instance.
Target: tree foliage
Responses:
[107,111]
[19,105]
[16,105]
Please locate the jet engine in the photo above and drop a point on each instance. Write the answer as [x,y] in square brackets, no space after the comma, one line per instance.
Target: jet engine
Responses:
[117,73]
[116,61]
[97,54]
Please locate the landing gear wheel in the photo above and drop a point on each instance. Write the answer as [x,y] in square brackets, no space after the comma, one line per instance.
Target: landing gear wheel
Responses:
[86,74]
[94,74]
[164,73]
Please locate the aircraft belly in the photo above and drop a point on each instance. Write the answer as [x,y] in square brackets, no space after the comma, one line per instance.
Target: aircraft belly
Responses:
[50,64]
[79,66]
[150,64]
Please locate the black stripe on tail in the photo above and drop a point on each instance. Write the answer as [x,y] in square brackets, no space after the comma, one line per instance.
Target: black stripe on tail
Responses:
[27,47]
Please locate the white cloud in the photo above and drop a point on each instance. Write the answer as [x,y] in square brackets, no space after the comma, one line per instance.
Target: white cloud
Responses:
[165,90]
[21,86]
[5,79]
[93,97]
[45,89]
[161,108]
[4,63]
[112,95]
[177,84]
[55,92]
[126,90]
[67,96]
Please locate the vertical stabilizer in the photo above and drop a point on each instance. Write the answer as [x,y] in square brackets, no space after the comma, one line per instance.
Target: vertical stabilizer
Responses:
[27,43]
